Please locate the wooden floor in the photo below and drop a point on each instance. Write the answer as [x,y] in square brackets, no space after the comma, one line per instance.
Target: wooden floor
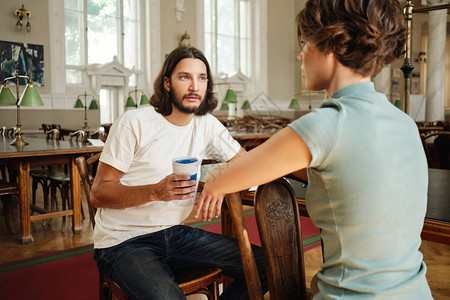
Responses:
[50,238]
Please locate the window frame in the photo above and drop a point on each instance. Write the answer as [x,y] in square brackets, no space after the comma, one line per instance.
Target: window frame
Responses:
[258,83]
[138,71]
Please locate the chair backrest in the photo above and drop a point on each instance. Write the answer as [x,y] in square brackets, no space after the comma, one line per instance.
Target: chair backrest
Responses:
[46,127]
[278,220]
[279,228]
[99,134]
[83,165]
[442,148]
[53,134]
[11,132]
[78,136]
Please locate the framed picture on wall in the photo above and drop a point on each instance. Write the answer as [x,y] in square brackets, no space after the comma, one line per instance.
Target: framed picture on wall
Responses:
[26,58]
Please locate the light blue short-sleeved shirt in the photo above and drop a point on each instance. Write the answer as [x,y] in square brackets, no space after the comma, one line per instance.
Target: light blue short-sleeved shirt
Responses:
[367,191]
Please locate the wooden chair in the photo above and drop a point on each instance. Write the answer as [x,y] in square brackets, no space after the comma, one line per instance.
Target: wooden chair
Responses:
[58,126]
[8,189]
[3,131]
[54,181]
[3,165]
[437,149]
[46,127]
[197,281]
[8,132]
[99,134]
[79,136]
[53,134]
[442,148]
[279,228]
[41,175]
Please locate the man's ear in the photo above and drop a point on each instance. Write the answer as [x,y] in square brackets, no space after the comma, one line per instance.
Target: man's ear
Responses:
[166,84]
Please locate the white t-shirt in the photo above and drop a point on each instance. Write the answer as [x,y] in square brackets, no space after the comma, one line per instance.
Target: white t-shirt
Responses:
[142,143]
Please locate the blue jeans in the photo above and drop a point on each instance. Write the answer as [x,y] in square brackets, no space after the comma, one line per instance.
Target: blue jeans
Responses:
[142,266]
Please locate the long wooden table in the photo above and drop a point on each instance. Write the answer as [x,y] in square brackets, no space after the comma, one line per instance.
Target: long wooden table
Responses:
[45,152]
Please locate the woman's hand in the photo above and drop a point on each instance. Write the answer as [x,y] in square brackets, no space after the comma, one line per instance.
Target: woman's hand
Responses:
[209,205]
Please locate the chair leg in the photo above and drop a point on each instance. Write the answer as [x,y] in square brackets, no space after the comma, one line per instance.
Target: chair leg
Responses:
[53,199]
[34,187]
[7,210]
[64,202]
[104,291]
[214,291]
[45,190]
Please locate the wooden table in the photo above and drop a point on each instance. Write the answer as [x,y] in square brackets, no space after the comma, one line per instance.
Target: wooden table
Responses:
[436,227]
[45,152]
[250,140]
[437,219]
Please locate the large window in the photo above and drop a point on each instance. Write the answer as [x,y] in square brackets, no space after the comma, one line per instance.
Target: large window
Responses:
[98,30]
[228,36]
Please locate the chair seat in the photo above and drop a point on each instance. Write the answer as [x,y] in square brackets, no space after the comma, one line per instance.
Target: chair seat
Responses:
[59,176]
[7,188]
[192,280]
[6,191]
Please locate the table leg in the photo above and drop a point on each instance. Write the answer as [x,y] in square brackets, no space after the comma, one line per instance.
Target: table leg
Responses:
[76,196]
[24,195]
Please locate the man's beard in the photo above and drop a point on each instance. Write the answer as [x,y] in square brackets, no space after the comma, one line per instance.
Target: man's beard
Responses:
[178,103]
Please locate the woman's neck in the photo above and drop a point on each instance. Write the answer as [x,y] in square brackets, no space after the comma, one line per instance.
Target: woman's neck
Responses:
[344,76]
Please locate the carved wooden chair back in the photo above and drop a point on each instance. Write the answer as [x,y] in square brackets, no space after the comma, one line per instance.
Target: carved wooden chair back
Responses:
[46,127]
[197,281]
[78,136]
[10,132]
[53,134]
[279,228]
[99,134]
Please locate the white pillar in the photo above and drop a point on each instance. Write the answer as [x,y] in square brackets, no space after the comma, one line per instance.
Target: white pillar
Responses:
[435,92]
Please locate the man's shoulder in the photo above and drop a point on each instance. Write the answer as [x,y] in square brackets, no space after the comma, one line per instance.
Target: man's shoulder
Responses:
[207,119]
[144,113]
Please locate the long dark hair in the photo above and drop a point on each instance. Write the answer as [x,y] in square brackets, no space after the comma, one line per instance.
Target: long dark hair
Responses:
[161,98]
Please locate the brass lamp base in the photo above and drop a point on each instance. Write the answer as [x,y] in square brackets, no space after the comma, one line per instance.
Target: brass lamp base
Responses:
[19,141]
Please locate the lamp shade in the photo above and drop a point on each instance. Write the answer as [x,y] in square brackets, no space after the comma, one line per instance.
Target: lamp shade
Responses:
[130,102]
[294,104]
[246,105]
[30,97]
[78,104]
[224,106]
[398,103]
[93,104]
[230,97]
[6,96]
[144,100]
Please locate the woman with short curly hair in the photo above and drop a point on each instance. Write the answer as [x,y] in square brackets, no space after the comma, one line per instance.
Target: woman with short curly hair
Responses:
[364,161]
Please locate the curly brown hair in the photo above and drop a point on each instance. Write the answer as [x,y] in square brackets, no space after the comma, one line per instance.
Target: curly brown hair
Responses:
[364,35]
[161,99]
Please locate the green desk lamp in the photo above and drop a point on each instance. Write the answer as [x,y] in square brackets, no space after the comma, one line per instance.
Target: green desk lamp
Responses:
[30,97]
